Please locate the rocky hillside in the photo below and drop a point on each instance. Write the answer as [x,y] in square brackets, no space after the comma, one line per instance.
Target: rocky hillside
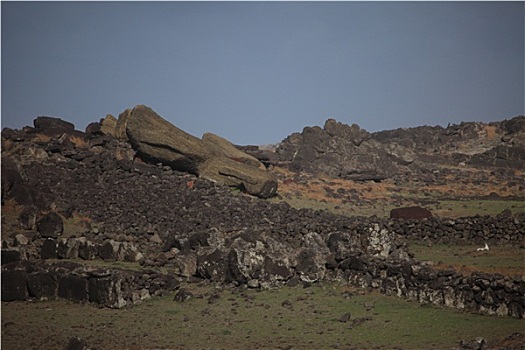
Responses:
[349,152]
[180,206]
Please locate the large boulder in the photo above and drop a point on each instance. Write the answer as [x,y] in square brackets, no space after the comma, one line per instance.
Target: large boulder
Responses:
[14,285]
[108,125]
[122,122]
[107,290]
[50,225]
[156,140]
[410,213]
[13,186]
[73,288]
[43,123]
[43,286]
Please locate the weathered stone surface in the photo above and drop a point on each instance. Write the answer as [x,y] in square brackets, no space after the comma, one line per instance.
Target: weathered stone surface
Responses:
[410,213]
[380,241]
[10,255]
[53,123]
[87,250]
[268,158]
[67,248]
[247,178]
[185,264]
[229,150]
[14,285]
[49,249]
[50,225]
[212,265]
[10,176]
[73,288]
[310,267]
[204,231]
[346,151]
[352,133]
[13,186]
[43,286]
[27,218]
[182,295]
[21,240]
[108,125]
[122,122]
[93,129]
[109,250]
[157,140]
[244,261]
[107,291]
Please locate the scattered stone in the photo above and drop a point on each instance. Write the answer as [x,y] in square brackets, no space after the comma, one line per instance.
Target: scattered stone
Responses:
[49,249]
[410,213]
[182,295]
[345,317]
[76,343]
[214,298]
[50,225]
[287,304]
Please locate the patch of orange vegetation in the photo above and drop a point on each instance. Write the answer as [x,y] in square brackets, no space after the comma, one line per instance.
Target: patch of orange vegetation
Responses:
[82,218]
[315,188]
[6,144]
[11,207]
[42,138]
[490,131]
[78,141]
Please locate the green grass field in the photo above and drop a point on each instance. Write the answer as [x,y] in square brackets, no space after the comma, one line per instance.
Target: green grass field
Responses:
[285,318]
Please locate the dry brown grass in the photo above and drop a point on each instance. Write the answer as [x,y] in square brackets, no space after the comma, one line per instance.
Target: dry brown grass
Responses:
[490,130]
[453,196]
[10,214]
[78,142]
[41,138]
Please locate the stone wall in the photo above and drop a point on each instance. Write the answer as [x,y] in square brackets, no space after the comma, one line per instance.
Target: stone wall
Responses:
[476,229]
[111,288]
[479,292]
[367,255]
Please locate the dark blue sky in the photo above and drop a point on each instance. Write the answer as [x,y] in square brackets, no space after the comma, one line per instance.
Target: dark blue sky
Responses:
[255,72]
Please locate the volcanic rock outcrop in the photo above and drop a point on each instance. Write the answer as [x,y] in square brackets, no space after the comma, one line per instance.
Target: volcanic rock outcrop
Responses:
[350,152]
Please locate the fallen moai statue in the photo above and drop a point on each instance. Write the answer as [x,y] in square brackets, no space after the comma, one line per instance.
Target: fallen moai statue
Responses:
[157,140]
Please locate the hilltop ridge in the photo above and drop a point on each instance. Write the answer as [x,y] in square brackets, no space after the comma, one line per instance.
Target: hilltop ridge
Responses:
[349,152]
